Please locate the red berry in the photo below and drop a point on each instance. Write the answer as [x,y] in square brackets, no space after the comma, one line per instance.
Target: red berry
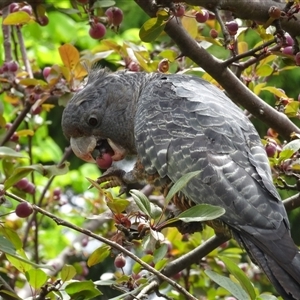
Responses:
[133,66]
[5,67]
[288,40]
[30,189]
[232,27]
[43,20]
[27,9]
[97,31]
[24,210]
[271,149]
[202,16]
[12,66]
[22,184]
[179,11]
[114,16]
[8,125]
[177,276]
[104,161]
[297,58]
[120,261]
[46,72]
[14,137]
[13,7]
[37,110]
[213,33]
[224,245]
[56,193]
[288,50]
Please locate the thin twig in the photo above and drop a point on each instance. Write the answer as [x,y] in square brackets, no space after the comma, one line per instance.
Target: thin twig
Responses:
[23,52]
[16,123]
[251,52]
[33,218]
[110,243]
[6,30]
[147,289]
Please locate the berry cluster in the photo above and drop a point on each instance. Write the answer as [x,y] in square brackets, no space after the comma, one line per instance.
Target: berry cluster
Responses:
[9,67]
[25,186]
[288,48]
[114,17]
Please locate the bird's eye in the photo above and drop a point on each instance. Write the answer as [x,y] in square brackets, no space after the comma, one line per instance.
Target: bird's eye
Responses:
[93,121]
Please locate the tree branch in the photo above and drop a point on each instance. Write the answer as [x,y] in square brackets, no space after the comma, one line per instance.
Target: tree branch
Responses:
[250,10]
[194,256]
[236,90]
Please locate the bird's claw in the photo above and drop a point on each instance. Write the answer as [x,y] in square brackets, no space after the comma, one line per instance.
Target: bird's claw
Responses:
[114,177]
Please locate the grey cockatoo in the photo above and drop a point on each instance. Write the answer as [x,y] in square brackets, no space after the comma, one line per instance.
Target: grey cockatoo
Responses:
[176,124]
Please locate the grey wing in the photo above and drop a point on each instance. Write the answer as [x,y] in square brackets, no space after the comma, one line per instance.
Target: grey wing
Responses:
[184,124]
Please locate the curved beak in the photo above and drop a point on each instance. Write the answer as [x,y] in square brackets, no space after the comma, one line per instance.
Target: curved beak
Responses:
[83,147]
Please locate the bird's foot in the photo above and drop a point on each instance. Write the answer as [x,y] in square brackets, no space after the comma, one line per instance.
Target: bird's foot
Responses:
[117,177]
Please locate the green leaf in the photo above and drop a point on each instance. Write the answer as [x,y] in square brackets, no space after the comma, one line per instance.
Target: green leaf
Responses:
[180,184]
[10,294]
[198,213]
[17,258]
[160,264]
[240,276]
[292,108]
[36,277]
[266,297]
[277,92]
[235,289]
[190,25]
[12,237]
[258,87]
[160,253]
[151,29]
[156,211]
[47,171]
[103,3]
[285,154]
[293,145]
[98,255]
[147,259]
[201,213]
[171,55]
[6,152]
[20,261]
[264,70]
[118,205]
[141,201]
[16,18]
[82,290]
[67,272]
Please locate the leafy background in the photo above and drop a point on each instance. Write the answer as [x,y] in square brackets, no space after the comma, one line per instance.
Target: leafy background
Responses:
[38,238]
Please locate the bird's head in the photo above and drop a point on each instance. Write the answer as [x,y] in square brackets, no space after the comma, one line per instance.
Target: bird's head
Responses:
[99,119]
